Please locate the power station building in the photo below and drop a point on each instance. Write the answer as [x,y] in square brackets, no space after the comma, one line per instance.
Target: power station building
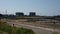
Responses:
[22,14]
[32,14]
[19,14]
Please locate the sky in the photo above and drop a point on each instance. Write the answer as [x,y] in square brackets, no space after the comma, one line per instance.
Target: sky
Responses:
[41,7]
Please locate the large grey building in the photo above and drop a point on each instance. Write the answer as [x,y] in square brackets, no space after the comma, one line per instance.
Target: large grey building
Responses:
[19,14]
[32,14]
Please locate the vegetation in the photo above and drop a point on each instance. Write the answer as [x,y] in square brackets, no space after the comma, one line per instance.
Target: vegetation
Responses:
[4,27]
[55,33]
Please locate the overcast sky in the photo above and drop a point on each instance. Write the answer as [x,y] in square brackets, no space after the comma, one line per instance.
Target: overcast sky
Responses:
[41,7]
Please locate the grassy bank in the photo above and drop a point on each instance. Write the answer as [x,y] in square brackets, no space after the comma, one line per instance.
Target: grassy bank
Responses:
[4,27]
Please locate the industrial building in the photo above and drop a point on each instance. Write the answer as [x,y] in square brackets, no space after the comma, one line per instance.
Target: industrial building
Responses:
[19,14]
[32,14]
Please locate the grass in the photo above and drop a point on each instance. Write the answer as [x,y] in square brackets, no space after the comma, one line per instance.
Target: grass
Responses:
[4,27]
[55,33]
[0,32]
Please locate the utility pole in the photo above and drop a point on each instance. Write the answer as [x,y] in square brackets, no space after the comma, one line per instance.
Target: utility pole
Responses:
[6,12]
[6,15]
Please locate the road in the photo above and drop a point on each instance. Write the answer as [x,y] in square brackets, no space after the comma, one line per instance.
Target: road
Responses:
[37,30]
